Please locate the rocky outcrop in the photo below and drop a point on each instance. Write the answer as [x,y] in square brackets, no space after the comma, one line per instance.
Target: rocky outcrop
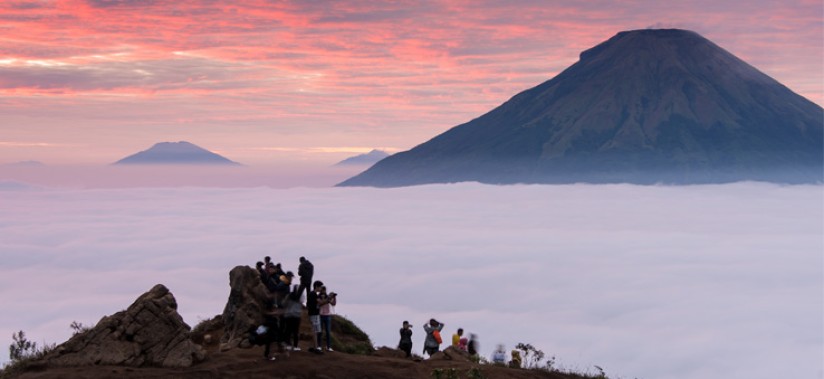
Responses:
[451,353]
[149,333]
[248,299]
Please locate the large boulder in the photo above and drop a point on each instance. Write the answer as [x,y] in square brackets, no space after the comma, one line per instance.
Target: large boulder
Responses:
[248,300]
[149,333]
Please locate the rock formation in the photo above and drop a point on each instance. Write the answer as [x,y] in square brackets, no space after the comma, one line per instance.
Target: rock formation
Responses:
[149,333]
[248,299]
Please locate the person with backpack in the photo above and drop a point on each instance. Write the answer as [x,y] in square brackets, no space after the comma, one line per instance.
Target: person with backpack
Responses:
[405,344]
[305,271]
[432,343]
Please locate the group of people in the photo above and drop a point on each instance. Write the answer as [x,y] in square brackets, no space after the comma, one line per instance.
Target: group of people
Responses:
[282,322]
[432,342]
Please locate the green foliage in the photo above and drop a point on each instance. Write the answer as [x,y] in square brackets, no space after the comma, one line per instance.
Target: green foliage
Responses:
[475,373]
[23,353]
[348,338]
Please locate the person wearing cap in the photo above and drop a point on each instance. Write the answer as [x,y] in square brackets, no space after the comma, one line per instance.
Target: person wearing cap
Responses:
[405,344]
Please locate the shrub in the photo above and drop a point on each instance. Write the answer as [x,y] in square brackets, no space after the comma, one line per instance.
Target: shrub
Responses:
[532,357]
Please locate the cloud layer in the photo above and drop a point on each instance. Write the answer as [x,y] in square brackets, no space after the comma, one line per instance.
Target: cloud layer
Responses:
[677,282]
[114,76]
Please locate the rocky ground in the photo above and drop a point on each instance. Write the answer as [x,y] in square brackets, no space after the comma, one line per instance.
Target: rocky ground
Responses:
[150,340]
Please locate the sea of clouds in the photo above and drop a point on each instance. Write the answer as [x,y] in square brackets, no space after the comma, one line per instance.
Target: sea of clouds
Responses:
[720,281]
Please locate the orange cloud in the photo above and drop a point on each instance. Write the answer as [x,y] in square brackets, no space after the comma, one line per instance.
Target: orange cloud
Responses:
[345,73]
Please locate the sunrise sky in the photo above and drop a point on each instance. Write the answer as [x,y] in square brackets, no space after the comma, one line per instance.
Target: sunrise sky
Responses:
[87,82]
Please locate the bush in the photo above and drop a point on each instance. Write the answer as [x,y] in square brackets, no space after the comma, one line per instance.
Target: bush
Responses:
[23,353]
[21,348]
[532,357]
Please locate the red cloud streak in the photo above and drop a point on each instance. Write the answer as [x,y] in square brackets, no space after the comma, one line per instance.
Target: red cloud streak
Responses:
[353,73]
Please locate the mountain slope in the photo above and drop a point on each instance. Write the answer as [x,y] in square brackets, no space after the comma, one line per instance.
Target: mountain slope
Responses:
[645,106]
[367,159]
[176,153]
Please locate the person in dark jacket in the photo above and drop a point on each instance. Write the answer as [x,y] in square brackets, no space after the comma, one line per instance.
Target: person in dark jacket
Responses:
[264,274]
[313,309]
[305,271]
[405,344]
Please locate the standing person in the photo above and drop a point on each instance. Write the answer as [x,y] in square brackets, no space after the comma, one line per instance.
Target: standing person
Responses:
[264,274]
[313,309]
[405,344]
[271,334]
[472,346]
[432,344]
[327,302]
[305,271]
[456,338]
[291,319]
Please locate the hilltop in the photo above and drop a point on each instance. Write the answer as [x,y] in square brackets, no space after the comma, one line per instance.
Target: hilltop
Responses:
[150,340]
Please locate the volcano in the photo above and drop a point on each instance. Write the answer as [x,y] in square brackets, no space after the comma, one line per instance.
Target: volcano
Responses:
[176,153]
[645,106]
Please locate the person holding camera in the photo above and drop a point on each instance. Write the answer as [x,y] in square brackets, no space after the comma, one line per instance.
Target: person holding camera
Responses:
[327,304]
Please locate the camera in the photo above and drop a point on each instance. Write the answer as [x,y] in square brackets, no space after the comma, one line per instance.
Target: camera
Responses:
[332,294]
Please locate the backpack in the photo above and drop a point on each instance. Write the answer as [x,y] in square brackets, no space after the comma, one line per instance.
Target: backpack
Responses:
[437,335]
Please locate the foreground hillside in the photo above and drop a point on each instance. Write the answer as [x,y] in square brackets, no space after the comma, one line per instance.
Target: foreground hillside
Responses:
[150,340]
[248,363]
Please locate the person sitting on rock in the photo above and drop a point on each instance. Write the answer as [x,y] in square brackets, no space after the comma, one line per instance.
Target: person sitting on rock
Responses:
[432,343]
[499,356]
[405,343]
[267,261]
[516,359]
[327,303]
[463,344]
[456,338]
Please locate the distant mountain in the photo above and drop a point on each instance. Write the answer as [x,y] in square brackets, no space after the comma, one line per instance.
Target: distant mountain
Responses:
[645,106]
[367,159]
[25,164]
[176,153]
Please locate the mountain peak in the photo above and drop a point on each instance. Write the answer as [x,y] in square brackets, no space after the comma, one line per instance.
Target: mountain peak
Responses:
[645,106]
[367,159]
[180,152]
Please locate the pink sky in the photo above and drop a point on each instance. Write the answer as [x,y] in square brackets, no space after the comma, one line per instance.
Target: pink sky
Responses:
[87,82]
